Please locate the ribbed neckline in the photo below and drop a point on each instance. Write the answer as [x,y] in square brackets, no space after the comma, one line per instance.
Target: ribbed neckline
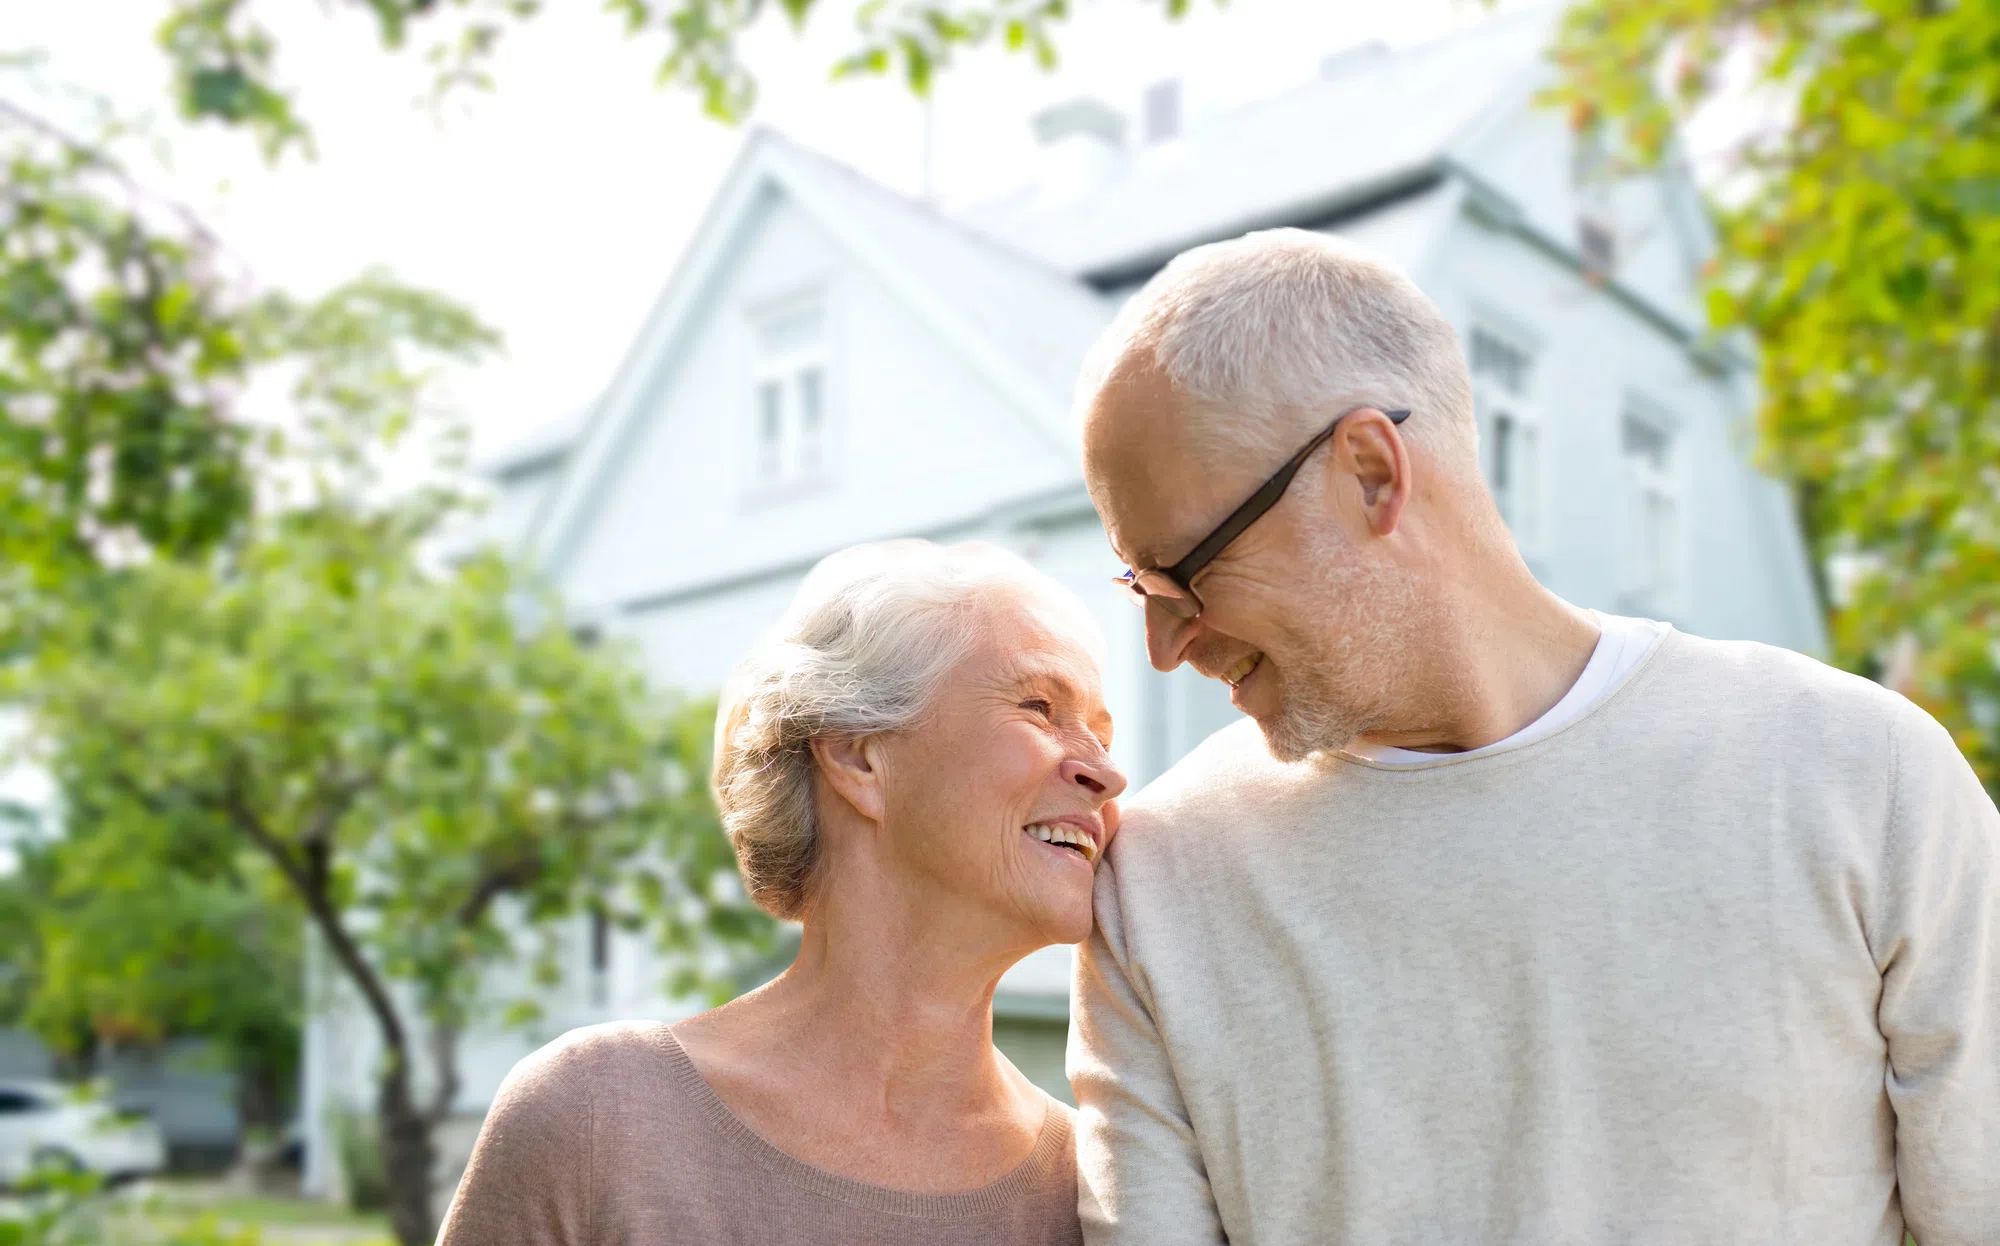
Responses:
[1029,1174]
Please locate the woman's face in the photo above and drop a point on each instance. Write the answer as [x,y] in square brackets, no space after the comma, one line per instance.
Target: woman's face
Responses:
[1004,799]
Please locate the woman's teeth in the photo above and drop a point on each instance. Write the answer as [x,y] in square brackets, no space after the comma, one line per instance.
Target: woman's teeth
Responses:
[1068,836]
[1241,671]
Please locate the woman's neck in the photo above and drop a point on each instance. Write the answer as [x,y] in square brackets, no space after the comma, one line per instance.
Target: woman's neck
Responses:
[873,1054]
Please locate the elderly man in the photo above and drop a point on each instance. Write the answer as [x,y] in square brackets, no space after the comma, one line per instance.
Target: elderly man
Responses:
[1504,921]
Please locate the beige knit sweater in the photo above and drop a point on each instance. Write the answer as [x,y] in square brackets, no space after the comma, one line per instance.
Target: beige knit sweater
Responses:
[1717,963]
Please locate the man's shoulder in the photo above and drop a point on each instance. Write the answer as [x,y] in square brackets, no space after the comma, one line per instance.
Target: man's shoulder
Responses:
[1231,763]
[1750,679]
[1226,776]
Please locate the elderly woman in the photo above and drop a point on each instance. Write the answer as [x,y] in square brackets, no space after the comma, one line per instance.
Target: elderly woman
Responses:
[913,767]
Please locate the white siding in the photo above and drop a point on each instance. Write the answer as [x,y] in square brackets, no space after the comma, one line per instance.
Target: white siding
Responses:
[915,440]
[1599,357]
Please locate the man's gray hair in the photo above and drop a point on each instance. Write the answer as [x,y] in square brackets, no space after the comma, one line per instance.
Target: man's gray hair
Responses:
[864,649]
[1260,329]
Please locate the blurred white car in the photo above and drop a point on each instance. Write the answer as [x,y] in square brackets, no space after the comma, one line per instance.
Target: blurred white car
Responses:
[44,1123]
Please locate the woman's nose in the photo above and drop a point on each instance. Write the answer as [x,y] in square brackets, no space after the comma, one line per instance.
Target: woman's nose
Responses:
[1099,776]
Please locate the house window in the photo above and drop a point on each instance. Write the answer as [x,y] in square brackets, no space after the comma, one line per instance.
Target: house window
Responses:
[1653,510]
[789,397]
[1502,379]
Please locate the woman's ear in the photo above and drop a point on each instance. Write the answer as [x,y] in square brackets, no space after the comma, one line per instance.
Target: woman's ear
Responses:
[853,769]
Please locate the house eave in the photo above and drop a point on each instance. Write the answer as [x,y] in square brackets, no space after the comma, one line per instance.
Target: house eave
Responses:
[1052,507]
[1319,212]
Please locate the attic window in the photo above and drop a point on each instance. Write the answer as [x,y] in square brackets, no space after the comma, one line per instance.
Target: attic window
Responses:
[788,396]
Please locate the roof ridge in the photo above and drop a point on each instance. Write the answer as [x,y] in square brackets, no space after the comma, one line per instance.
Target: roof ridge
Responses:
[929,211]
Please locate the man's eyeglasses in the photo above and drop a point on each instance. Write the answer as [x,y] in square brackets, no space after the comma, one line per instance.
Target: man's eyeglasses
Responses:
[1172,588]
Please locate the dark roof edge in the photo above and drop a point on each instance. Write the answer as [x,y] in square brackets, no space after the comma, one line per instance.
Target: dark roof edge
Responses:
[1043,508]
[1320,212]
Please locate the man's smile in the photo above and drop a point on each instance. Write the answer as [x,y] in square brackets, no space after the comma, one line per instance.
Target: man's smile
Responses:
[1236,674]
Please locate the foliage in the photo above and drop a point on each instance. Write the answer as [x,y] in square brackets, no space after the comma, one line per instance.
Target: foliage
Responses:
[21,892]
[354,1141]
[263,692]
[59,1208]
[1863,254]
[120,356]
[396,753]
[133,951]
[225,61]
[126,367]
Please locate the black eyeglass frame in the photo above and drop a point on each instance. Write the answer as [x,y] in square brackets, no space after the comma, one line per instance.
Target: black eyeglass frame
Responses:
[1181,575]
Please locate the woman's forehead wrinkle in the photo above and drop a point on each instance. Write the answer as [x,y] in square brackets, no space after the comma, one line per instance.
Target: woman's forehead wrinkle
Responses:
[1069,675]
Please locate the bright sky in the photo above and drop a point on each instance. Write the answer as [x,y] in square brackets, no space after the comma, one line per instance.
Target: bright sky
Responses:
[557,204]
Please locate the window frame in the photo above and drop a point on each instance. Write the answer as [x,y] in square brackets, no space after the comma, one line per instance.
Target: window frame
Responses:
[799,466]
[1653,567]
[1523,506]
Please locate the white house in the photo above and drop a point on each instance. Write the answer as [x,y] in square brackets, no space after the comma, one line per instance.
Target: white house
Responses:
[832,363]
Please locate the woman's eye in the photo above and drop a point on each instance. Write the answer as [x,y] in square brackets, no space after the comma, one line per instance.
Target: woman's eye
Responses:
[1039,705]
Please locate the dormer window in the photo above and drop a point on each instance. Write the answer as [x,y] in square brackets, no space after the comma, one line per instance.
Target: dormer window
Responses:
[1502,369]
[788,396]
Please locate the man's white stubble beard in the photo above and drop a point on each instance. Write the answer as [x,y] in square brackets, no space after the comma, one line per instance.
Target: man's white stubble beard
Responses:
[1335,684]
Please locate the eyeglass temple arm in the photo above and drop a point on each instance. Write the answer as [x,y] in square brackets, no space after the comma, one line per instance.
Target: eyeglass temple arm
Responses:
[1264,499]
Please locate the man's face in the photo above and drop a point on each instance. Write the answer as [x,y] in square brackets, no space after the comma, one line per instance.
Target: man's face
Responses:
[1300,615]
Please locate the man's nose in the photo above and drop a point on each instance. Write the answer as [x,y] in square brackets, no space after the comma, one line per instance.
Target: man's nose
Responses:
[1096,775]
[1167,637]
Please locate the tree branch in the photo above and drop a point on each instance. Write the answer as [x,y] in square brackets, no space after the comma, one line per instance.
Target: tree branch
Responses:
[311,884]
[492,883]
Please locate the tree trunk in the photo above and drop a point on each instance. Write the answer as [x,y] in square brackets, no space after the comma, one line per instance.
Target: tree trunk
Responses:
[408,1156]
[261,1120]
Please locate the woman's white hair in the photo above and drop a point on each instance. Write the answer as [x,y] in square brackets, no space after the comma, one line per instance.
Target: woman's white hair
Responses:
[1262,329]
[867,643]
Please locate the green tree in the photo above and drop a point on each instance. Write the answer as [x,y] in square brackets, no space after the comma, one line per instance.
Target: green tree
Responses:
[130,953]
[430,781]
[412,753]
[1860,248]
[225,61]
[121,360]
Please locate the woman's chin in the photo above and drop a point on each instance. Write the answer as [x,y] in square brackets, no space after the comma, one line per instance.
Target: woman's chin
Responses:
[1068,923]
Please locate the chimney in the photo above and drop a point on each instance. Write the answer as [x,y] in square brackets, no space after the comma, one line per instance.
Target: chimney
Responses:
[1082,142]
[1161,108]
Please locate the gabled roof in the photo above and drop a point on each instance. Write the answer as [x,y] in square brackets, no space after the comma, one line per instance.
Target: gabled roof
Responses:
[1014,286]
[1040,319]
[1013,319]
[1376,127]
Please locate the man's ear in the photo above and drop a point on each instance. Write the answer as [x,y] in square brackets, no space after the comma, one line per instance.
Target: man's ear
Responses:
[1369,447]
[853,769]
